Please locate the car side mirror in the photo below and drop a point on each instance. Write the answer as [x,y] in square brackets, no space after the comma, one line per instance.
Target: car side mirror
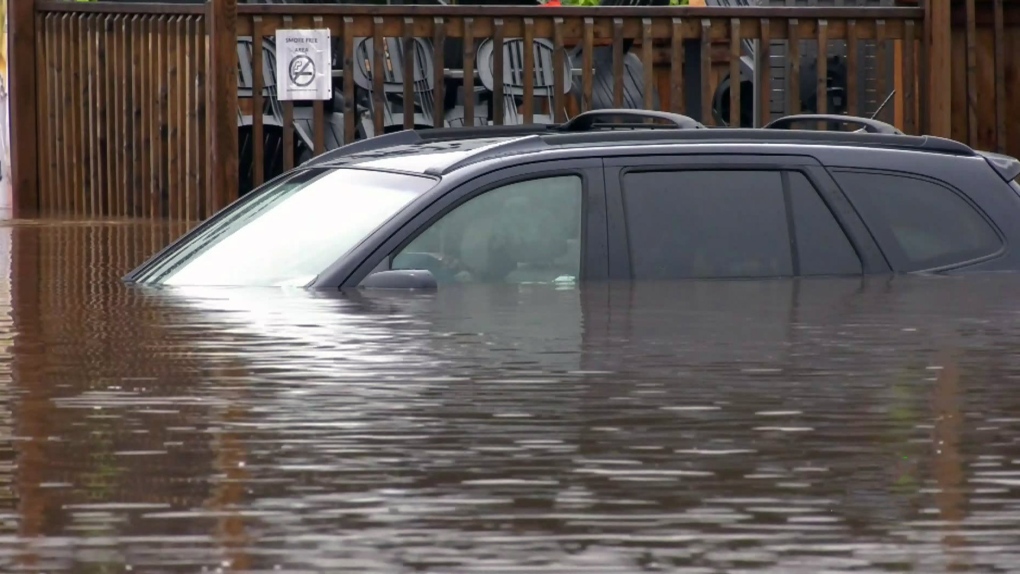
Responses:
[417,279]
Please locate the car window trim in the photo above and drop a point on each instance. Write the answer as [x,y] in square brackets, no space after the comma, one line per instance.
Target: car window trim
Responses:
[1003,242]
[791,222]
[866,249]
[873,261]
[348,274]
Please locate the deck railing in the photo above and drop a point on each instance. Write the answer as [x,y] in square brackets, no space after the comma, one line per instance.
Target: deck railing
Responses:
[136,106]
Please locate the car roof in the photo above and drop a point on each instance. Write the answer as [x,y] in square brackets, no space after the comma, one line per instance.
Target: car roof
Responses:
[441,151]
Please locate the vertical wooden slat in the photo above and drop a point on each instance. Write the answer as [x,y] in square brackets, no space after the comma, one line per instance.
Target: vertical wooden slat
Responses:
[793,50]
[676,68]
[79,117]
[587,64]
[822,75]
[560,82]
[53,92]
[350,121]
[378,67]
[971,33]
[85,111]
[939,61]
[882,69]
[528,78]
[288,117]
[735,52]
[192,133]
[97,113]
[112,122]
[438,48]
[909,78]
[43,59]
[100,24]
[91,102]
[498,115]
[617,62]
[173,184]
[409,66]
[258,104]
[222,72]
[707,89]
[137,151]
[23,104]
[318,113]
[201,88]
[853,102]
[162,128]
[1000,75]
[180,118]
[146,129]
[124,134]
[469,71]
[648,62]
[62,83]
[765,89]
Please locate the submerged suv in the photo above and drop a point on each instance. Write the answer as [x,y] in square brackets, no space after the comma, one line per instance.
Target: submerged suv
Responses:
[607,195]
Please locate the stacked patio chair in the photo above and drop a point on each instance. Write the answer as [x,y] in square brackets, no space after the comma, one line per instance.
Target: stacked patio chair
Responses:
[513,77]
[394,70]
[272,131]
[273,109]
[633,69]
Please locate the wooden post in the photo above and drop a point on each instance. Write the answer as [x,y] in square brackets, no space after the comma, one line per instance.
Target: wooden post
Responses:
[939,28]
[222,66]
[21,76]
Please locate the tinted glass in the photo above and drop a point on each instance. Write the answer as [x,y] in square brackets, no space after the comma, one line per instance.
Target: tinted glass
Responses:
[706,224]
[526,232]
[918,224]
[289,232]
[823,247]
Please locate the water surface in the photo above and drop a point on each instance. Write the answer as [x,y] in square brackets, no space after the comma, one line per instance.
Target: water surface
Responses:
[776,426]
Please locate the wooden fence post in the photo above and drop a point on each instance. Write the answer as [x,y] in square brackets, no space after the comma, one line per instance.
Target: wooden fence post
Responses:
[21,78]
[222,66]
[939,32]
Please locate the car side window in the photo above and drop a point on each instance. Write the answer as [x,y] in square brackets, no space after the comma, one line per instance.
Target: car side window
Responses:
[524,232]
[917,223]
[706,224]
[822,246]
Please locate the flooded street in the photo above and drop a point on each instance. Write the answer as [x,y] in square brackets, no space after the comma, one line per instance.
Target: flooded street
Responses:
[777,426]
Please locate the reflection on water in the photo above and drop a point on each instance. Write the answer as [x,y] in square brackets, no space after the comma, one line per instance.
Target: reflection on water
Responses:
[691,427]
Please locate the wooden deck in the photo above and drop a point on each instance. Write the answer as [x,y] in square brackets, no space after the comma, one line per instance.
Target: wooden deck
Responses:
[131,110]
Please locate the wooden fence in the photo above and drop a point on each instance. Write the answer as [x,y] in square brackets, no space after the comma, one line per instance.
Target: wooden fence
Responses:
[132,109]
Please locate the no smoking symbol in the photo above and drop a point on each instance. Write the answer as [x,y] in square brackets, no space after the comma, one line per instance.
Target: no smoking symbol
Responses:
[302,70]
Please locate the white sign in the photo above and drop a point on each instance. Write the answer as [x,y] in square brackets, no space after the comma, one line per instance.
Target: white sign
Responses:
[304,65]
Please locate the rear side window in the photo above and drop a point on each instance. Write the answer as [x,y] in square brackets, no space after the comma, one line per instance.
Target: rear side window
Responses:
[918,224]
[706,224]
[822,246]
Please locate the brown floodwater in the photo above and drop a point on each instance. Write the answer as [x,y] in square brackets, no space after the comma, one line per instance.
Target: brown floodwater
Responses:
[775,426]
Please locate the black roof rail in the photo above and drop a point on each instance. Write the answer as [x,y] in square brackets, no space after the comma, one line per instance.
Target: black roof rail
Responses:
[585,121]
[505,147]
[748,135]
[869,125]
[414,136]
[403,137]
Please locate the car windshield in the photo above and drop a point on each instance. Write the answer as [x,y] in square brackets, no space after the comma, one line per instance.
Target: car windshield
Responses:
[290,231]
